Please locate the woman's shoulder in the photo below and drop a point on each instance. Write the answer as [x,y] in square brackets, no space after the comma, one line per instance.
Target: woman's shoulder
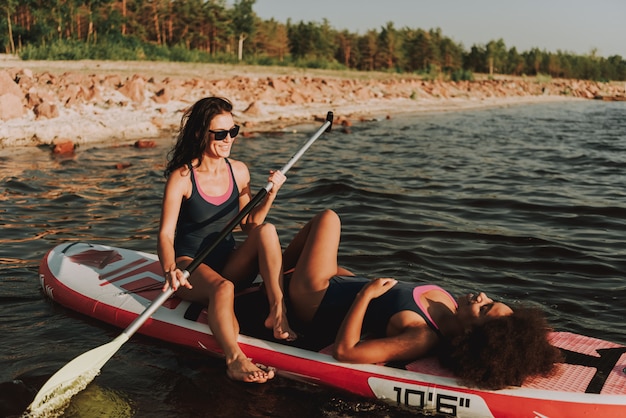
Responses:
[237,165]
[180,172]
[240,170]
[180,179]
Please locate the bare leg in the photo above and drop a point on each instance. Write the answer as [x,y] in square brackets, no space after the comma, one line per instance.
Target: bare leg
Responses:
[313,254]
[262,250]
[218,293]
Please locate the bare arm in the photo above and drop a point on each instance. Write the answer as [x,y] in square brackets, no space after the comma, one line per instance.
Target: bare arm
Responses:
[413,342]
[175,190]
[259,213]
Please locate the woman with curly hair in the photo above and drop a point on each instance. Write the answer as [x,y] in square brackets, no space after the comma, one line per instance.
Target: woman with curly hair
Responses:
[503,351]
[486,343]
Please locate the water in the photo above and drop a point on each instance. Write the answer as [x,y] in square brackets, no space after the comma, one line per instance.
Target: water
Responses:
[526,203]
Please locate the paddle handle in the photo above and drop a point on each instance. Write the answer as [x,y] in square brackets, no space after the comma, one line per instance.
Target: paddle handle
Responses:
[325,128]
[147,313]
[257,198]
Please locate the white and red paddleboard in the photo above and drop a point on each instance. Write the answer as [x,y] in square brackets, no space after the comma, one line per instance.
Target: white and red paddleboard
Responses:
[115,285]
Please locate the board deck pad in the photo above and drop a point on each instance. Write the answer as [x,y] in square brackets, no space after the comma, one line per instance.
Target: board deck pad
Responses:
[115,285]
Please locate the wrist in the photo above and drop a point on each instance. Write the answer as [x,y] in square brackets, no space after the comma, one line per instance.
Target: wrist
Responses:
[363,296]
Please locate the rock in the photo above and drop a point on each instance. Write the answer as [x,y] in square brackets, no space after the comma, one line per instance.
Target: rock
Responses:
[93,95]
[46,78]
[134,89]
[24,80]
[46,110]
[73,94]
[11,106]
[32,98]
[27,72]
[144,143]
[112,80]
[297,98]
[73,79]
[279,85]
[162,96]
[63,147]
[362,94]
[254,109]
[8,85]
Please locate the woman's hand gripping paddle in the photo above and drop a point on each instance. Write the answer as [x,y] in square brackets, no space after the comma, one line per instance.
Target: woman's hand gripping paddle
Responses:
[78,373]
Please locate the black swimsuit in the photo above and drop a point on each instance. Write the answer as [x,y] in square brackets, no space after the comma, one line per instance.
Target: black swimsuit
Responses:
[342,291]
[202,218]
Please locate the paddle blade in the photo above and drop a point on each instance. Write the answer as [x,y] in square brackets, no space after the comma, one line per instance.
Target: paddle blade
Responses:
[74,377]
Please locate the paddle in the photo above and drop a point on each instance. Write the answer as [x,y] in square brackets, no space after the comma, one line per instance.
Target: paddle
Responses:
[78,373]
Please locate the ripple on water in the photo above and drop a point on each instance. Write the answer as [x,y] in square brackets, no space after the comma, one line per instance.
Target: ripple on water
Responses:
[525,203]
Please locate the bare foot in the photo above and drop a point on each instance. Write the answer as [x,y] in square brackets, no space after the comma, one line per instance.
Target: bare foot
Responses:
[277,320]
[242,369]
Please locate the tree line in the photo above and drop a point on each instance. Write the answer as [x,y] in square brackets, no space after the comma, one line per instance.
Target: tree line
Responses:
[216,31]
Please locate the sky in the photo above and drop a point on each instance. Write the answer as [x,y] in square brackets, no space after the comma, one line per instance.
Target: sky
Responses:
[571,26]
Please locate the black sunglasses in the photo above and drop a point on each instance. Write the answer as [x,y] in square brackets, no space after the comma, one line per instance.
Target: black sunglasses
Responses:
[221,135]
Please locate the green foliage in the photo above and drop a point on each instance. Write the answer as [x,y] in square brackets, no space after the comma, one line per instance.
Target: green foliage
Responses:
[59,50]
[266,61]
[543,78]
[179,53]
[431,73]
[317,63]
[213,31]
[462,75]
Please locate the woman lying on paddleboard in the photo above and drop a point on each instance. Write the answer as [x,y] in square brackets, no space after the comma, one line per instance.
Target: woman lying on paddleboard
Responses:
[204,191]
[485,343]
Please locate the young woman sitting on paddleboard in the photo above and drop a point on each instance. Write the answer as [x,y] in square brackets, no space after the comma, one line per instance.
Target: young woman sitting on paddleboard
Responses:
[204,191]
[485,343]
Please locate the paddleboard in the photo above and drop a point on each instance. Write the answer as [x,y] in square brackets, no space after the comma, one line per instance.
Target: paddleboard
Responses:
[115,285]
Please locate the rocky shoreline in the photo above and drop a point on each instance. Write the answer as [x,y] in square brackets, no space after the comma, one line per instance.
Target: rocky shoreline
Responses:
[95,103]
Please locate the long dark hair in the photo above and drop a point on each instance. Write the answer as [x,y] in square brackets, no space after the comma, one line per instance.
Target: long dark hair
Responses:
[193,136]
[502,352]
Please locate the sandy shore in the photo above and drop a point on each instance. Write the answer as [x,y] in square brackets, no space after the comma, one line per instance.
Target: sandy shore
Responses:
[43,102]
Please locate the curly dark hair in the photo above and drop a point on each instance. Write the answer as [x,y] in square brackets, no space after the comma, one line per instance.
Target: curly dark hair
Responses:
[502,352]
[193,136]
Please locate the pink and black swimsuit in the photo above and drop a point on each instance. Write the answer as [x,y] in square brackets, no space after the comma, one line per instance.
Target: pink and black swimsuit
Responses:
[341,293]
[202,218]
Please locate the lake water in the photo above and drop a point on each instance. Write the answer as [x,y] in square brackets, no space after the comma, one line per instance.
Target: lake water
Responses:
[526,203]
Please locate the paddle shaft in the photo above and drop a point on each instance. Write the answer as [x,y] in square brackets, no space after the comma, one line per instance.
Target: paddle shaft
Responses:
[147,313]
[94,359]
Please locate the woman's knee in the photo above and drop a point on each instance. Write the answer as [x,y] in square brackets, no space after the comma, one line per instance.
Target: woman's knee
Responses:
[328,221]
[265,233]
[224,290]
[207,286]
[268,229]
[329,215]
